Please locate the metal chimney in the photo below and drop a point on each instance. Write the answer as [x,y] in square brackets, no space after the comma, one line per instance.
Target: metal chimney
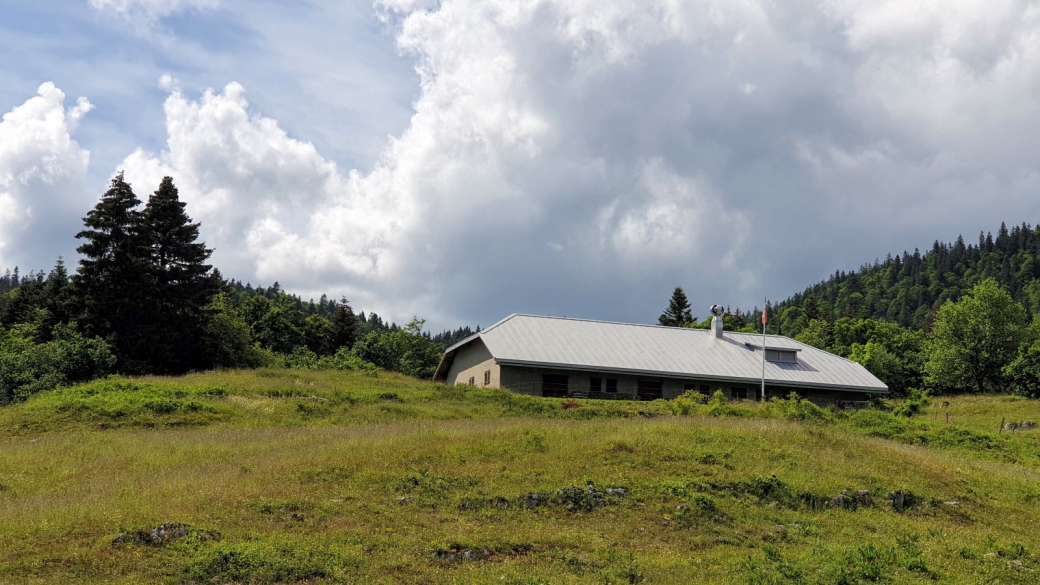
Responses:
[717,311]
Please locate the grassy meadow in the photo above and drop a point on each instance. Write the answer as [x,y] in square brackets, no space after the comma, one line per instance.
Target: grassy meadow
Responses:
[297,476]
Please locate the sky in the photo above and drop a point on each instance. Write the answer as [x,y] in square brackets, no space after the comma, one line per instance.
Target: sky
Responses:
[462,160]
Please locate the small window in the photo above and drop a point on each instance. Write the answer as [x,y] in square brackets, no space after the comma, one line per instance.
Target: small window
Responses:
[779,355]
[738,393]
[487,377]
[595,384]
[472,381]
[611,384]
[704,389]
[554,385]
[650,389]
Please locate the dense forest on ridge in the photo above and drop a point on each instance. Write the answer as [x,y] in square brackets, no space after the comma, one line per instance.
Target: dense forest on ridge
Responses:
[960,317]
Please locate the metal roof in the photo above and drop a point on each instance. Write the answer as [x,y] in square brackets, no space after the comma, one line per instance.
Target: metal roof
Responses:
[560,342]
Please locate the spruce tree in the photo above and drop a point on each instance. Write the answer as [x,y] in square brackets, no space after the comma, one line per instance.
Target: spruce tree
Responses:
[114,284]
[344,325]
[183,282]
[678,312]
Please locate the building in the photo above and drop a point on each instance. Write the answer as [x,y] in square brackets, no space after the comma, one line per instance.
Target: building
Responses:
[561,357]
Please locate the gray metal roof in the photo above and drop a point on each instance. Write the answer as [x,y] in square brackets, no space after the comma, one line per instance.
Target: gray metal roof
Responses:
[663,351]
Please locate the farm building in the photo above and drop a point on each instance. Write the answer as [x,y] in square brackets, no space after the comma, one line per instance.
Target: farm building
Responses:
[561,357]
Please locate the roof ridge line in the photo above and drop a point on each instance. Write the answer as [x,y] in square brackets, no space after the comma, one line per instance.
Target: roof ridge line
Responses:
[629,324]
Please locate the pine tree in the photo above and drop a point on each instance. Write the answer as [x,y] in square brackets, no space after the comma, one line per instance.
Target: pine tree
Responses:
[183,282]
[344,325]
[678,312]
[114,284]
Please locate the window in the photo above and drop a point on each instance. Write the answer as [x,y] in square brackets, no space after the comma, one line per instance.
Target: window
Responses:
[780,355]
[738,393]
[705,389]
[611,384]
[472,381]
[595,384]
[487,377]
[650,389]
[554,385]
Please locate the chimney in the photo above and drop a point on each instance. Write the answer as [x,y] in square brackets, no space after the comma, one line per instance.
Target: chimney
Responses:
[716,320]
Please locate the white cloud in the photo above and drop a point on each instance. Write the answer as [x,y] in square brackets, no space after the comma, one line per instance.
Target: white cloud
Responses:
[577,156]
[42,179]
[493,158]
[152,9]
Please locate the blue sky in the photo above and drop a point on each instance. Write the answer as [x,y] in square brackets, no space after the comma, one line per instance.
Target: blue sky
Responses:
[462,160]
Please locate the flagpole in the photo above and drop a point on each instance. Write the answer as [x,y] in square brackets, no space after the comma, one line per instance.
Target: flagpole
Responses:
[764,350]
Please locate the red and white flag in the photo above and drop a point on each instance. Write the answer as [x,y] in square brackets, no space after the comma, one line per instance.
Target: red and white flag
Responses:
[764,318]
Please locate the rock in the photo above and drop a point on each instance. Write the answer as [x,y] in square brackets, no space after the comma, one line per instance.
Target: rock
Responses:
[405,500]
[1016,563]
[163,534]
[863,498]
[843,501]
[990,554]
[952,503]
[617,492]
[498,502]
[533,500]
[467,505]
[1027,425]
[897,498]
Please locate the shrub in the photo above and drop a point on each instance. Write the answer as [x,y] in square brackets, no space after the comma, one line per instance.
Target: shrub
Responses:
[27,367]
[914,403]
[795,408]
[687,403]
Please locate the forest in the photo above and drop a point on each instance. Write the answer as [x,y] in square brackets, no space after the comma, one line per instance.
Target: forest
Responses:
[958,318]
[143,300]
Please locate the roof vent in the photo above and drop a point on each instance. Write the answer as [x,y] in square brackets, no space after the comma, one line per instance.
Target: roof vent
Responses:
[717,311]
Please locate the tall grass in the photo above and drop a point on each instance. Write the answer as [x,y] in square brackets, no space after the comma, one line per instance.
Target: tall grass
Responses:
[379,478]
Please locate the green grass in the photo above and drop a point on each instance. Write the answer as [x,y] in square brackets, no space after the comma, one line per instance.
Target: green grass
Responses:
[286,476]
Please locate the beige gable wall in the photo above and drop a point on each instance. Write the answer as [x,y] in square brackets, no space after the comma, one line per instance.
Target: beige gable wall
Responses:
[472,361]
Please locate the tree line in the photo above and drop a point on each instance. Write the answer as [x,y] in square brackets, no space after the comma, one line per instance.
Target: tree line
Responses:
[959,318]
[144,300]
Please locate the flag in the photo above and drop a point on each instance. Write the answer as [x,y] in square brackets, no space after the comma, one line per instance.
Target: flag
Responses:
[764,318]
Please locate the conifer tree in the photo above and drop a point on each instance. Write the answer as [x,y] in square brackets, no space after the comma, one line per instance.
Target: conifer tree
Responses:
[344,325]
[678,312]
[184,285]
[114,283]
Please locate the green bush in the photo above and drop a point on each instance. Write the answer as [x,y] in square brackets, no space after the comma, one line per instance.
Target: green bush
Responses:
[913,404]
[27,367]
[687,403]
[795,408]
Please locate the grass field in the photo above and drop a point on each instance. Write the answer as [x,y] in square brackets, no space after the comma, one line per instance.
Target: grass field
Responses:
[294,476]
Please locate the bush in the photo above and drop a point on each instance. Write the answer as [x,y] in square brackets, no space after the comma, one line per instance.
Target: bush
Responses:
[718,405]
[687,403]
[914,403]
[795,408]
[27,367]
[344,359]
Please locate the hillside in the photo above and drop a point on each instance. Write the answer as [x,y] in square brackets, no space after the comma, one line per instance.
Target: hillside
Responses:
[301,476]
[906,289]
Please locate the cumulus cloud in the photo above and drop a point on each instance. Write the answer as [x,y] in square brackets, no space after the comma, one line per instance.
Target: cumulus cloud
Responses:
[581,156]
[42,179]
